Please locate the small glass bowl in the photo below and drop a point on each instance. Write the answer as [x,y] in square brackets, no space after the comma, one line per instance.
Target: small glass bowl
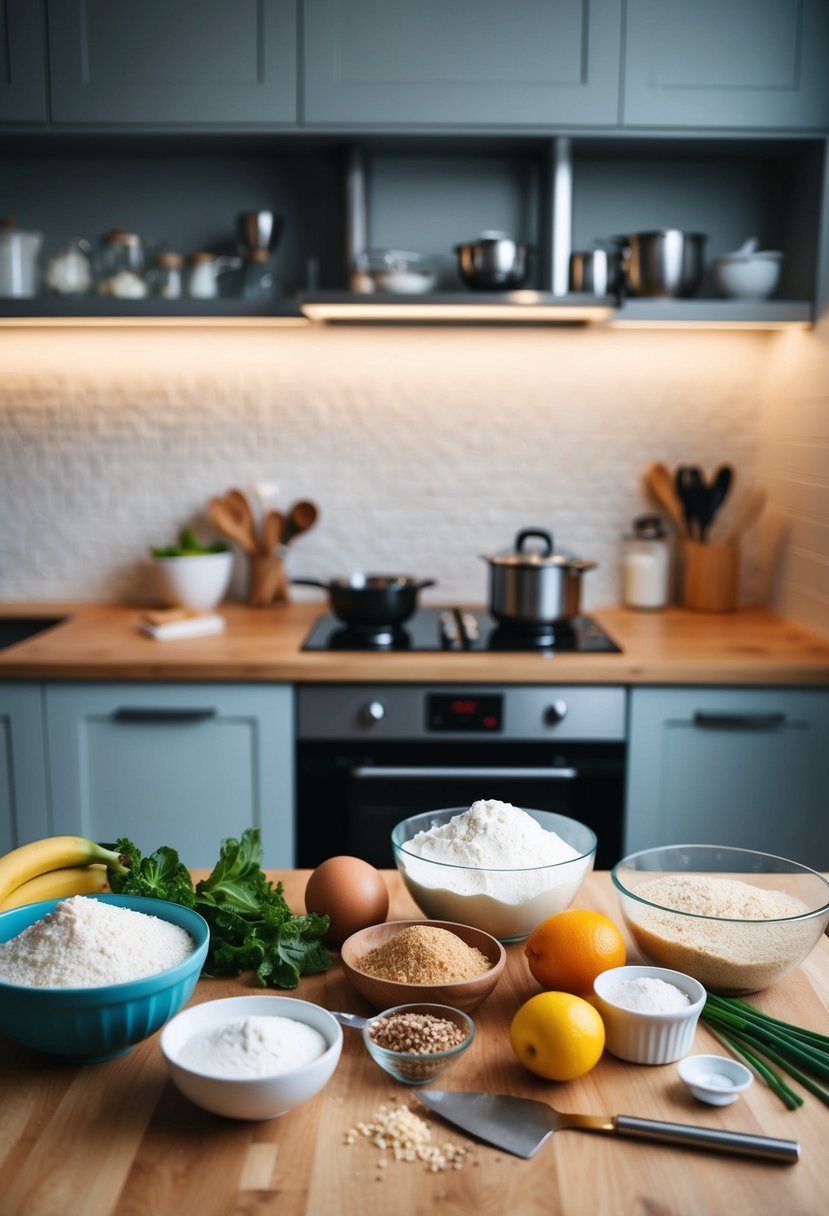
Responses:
[419,1068]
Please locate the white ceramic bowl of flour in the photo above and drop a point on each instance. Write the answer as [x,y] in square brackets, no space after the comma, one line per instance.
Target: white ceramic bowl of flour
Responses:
[500,868]
[252,1057]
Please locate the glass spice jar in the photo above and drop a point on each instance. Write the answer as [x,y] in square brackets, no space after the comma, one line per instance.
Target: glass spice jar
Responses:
[165,278]
[646,565]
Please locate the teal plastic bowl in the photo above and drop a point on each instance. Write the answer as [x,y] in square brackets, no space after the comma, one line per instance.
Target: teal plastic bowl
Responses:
[88,1025]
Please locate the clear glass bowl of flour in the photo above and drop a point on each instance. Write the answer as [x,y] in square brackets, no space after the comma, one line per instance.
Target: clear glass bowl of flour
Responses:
[494,866]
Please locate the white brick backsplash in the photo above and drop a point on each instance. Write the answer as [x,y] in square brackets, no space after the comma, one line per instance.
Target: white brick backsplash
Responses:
[423,448]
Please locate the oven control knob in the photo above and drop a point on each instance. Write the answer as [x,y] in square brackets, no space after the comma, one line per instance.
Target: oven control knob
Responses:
[555,713]
[374,711]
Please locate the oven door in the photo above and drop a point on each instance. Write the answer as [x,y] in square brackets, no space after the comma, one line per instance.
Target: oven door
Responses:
[366,792]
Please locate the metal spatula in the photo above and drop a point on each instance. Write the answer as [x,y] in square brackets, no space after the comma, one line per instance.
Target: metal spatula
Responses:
[521,1125]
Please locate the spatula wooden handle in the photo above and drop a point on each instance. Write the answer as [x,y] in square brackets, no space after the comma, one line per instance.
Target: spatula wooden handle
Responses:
[746,1143]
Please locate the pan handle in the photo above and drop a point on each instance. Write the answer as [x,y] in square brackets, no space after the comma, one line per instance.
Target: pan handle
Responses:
[310,582]
[785,1151]
[425,582]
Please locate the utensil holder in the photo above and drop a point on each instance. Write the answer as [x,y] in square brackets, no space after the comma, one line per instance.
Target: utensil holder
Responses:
[710,576]
[268,581]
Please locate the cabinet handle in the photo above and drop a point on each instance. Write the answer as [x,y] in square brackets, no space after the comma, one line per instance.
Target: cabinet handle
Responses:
[426,772]
[130,713]
[738,721]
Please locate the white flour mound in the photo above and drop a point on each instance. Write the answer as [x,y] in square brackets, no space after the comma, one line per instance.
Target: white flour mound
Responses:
[86,943]
[492,835]
[253,1047]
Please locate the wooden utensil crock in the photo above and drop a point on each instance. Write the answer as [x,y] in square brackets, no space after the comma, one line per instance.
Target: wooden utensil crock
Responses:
[710,576]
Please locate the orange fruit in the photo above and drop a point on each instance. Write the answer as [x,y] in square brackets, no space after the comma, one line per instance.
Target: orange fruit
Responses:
[557,1036]
[567,951]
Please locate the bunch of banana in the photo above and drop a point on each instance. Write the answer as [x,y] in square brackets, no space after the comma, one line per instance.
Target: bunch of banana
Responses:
[55,868]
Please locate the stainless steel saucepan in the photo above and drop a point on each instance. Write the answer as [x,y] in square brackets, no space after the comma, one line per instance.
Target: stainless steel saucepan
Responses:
[535,588]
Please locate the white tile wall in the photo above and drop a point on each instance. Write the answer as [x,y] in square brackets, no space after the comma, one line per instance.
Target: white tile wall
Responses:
[423,448]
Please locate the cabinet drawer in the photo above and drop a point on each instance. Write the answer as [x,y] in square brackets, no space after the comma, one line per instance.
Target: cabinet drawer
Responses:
[184,765]
[727,63]
[381,63]
[216,63]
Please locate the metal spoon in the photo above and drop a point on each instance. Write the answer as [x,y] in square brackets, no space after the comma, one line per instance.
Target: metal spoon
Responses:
[350,1019]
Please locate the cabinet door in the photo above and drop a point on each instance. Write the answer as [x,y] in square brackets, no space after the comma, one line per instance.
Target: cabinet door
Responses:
[727,63]
[24,812]
[214,63]
[730,766]
[22,61]
[184,765]
[381,63]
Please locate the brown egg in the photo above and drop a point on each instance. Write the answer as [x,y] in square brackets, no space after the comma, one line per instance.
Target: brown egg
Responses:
[351,892]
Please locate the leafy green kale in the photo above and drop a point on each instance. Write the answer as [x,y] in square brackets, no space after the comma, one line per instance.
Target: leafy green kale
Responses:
[252,927]
[160,876]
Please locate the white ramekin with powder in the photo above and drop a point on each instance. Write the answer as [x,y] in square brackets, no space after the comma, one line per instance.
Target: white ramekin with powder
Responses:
[256,1046]
[646,994]
[503,877]
[89,943]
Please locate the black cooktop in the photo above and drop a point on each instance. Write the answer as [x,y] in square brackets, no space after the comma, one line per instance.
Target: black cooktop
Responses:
[460,629]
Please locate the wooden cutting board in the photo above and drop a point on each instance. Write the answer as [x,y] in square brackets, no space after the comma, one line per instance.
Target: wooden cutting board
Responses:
[116,1139]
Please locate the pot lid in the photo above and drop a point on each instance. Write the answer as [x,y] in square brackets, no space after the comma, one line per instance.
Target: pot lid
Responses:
[525,558]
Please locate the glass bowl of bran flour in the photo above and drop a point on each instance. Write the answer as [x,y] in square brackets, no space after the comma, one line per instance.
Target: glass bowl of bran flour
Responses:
[734,919]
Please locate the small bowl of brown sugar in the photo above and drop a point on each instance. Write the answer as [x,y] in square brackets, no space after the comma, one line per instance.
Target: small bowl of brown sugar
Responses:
[423,961]
[416,1044]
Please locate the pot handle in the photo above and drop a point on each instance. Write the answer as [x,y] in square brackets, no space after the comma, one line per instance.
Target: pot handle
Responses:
[525,534]
[310,582]
[426,582]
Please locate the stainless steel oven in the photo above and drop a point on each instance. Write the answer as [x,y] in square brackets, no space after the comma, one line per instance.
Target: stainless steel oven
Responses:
[370,755]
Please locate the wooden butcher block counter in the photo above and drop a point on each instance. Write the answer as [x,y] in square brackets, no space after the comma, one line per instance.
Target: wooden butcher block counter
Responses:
[102,642]
[116,1139]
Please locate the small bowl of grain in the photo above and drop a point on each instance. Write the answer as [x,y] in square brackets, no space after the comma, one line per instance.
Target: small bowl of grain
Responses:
[405,961]
[417,1043]
[734,919]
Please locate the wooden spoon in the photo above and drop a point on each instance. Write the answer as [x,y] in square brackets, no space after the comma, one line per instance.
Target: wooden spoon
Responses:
[228,522]
[660,484]
[302,516]
[273,529]
[749,509]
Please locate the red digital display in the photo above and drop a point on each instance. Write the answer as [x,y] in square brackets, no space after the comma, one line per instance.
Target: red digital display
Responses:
[464,714]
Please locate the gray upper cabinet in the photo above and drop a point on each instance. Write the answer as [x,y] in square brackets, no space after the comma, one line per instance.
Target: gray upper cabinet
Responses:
[216,63]
[24,799]
[22,61]
[748,64]
[471,63]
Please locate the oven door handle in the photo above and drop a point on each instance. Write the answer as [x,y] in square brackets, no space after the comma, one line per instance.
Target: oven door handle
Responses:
[424,772]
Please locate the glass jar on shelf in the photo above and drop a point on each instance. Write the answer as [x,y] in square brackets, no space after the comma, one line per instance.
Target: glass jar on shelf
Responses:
[69,272]
[121,265]
[165,276]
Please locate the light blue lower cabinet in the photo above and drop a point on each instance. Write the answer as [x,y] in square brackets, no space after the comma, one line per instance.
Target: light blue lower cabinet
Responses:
[24,808]
[731,766]
[178,764]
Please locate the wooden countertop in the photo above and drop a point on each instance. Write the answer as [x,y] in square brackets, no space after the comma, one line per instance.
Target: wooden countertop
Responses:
[101,642]
[116,1139]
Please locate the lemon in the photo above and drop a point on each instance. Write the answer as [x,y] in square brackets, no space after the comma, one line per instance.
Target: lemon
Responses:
[557,1036]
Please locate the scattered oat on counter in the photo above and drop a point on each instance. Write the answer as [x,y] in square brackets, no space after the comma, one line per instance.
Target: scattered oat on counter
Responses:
[402,1133]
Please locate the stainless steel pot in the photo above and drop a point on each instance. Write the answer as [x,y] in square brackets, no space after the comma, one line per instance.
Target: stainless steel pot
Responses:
[371,601]
[597,271]
[666,262]
[532,589]
[494,262]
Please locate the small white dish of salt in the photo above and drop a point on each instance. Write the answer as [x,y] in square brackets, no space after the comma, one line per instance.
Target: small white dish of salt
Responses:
[650,1013]
[717,1080]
